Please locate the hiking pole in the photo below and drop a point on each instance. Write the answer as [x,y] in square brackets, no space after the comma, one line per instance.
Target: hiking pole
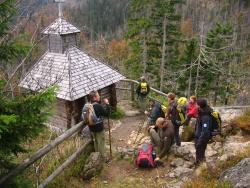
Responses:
[110,149]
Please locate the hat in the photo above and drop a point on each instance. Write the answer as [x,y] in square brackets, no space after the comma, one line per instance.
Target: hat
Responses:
[159,122]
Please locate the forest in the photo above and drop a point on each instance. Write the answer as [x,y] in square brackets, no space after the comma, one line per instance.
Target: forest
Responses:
[189,47]
[185,46]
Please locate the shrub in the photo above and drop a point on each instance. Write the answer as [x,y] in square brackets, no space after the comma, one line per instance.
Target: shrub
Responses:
[209,176]
[118,113]
[243,122]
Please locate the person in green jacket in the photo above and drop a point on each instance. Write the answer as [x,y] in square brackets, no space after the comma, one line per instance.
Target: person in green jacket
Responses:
[142,91]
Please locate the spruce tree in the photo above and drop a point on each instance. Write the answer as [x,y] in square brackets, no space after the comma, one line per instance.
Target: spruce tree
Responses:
[217,56]
[22,117]
[186,83]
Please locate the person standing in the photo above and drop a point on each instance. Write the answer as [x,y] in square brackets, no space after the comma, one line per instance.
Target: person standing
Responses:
[173,115]
[97,131]
[142,91]
[192,110]
[203,129]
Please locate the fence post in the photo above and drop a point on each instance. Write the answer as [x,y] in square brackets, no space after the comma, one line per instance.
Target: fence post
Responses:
[132,91]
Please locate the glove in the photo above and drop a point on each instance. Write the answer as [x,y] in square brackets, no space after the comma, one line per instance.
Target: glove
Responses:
[178,122]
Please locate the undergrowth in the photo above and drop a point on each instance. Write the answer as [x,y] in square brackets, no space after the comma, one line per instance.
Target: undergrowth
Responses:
[209,176]
[243,122]
[118,113]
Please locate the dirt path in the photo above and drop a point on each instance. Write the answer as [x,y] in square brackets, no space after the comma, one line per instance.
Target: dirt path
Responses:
[122,172]
[120,135]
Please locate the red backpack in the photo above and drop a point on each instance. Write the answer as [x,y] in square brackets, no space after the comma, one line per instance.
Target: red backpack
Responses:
[144,157]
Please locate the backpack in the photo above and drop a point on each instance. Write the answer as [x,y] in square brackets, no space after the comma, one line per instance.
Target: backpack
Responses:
[216,123]
[164,110]
[89,116]
[181,108]
[144,88]
[145,158]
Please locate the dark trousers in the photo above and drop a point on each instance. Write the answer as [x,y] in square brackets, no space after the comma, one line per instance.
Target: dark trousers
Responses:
[177,135]
[200,146]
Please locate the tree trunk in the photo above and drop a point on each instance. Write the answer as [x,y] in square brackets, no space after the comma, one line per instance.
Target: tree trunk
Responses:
[190,79]
[216,92]
[163,53]
[144,53]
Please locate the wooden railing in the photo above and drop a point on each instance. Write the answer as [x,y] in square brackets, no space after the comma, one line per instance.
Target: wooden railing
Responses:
[66,135]
[133,84]
[43,151]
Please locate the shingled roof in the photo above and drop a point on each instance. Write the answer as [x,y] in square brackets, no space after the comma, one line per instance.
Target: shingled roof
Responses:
[60,26]
[75,72]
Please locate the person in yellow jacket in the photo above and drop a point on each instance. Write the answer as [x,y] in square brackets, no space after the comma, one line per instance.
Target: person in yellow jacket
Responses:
[142,91]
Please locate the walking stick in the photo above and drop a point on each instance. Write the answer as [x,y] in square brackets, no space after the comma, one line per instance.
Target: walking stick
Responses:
[110,149]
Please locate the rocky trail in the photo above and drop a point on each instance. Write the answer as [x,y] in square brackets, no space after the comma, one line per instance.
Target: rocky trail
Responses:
[178,166]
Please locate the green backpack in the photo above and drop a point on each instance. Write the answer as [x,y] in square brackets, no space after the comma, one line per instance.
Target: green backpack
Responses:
[216,123]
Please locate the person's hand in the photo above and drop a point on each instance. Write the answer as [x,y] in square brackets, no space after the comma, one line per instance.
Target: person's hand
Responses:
[146,112]
[150,127]
[106,101]
[156,159]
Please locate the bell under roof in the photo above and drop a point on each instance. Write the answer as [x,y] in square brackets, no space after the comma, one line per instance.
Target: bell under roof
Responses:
[60,26]
[74,72]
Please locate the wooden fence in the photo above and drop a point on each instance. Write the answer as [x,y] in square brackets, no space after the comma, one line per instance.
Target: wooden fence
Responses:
[66,135]
[131,85]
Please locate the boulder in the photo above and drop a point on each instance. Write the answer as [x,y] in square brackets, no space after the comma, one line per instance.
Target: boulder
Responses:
[93,166]
[235,147]
[185,151]
[239,175]
[177,162]
[181,171]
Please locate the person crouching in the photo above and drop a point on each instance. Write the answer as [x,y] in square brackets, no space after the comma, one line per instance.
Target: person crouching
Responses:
[162,137]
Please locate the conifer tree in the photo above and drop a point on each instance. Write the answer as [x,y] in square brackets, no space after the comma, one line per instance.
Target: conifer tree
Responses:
[21,117]
[217,56]
[186,84]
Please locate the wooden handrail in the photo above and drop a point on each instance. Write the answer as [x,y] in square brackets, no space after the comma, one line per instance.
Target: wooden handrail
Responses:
[41,152]
[65,164]
[153,89]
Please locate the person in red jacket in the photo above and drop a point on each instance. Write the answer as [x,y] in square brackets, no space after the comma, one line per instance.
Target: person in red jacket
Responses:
[192,110]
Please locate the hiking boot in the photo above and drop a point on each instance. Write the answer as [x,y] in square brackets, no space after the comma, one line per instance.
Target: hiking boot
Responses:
[159,162]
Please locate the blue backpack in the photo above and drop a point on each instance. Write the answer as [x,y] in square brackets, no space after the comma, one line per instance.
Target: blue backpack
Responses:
[89,116]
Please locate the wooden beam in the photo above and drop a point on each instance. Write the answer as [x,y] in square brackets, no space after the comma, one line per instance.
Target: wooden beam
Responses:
[41,152]
[132,91]
[60,169]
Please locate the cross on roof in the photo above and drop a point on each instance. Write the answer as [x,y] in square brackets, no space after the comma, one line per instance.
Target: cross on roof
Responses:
[60,7]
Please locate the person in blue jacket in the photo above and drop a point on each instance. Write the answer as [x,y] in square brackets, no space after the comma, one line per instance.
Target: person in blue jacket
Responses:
[203,130]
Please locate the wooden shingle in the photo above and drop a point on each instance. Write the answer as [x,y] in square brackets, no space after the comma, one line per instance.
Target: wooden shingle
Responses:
[75,73]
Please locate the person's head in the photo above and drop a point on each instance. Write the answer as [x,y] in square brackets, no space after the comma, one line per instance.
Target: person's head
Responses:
[171,97]
[202,103]
[193,99]
[94,96]
[160,122]
[151,102]
[143,78]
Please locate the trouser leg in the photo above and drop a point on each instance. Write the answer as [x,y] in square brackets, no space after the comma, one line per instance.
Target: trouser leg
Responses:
[177,135]
[155,139]
[200,146]
[142,103]
[99,142]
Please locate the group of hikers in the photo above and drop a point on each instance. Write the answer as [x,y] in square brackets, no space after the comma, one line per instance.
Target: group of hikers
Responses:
[162,125]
